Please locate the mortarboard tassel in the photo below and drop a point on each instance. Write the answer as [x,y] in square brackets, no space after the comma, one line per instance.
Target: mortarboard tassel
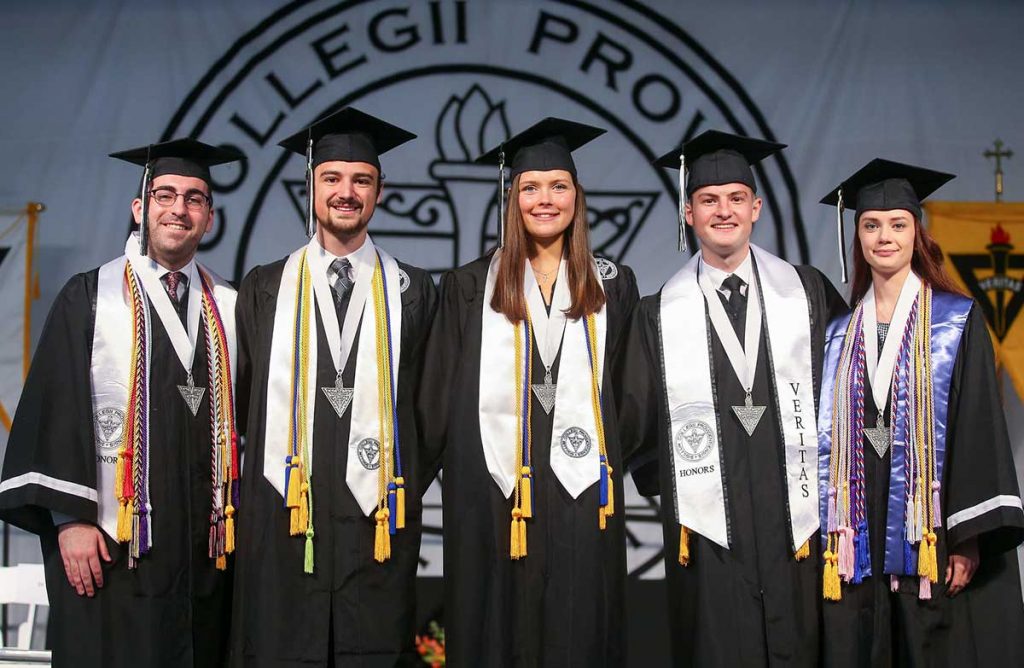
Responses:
[682,202]
[501,198]
[310,205]
[842,237]
[144,224]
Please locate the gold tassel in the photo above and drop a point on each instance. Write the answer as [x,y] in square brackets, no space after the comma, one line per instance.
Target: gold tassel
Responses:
[294,483]
[119,471]
[302,520]
[602,518]
[293,521]
[229,530]
[400,503]
[124,528]
[927,565]
[381,539]
[831,588]
[526,492]
[684,545]
[514,547]
[804,551]
[522,538]
[222,563]
[610,508]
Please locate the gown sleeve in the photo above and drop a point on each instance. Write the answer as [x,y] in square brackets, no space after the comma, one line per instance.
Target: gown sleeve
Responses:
[981,494]
[50,463]
[637,373]
[246,320]
[442,352]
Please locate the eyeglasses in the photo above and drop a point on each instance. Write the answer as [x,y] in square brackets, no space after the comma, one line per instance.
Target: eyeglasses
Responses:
[196,201]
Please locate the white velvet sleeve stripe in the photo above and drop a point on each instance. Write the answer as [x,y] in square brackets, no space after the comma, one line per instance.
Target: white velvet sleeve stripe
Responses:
[1003,501]
[55,484]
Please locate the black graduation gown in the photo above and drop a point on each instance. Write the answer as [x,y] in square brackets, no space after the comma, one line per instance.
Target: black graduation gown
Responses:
[173,610]
[984,624]
[563,604]
[752,604]
[351,608]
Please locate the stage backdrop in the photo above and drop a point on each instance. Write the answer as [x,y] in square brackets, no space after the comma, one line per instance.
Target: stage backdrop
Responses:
[841,82]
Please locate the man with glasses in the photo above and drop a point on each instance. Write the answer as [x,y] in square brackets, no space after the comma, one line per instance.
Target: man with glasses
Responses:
[123,453]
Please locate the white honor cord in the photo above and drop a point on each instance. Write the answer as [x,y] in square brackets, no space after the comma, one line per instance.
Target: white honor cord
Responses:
[880,367]
[743,360]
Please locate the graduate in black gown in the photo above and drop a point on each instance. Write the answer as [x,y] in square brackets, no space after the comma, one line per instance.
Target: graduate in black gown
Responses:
[514,410]
[733,439]
[920,504]
[161,597]
[330,347]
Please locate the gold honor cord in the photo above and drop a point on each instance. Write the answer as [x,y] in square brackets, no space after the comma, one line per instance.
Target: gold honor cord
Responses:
[607,508]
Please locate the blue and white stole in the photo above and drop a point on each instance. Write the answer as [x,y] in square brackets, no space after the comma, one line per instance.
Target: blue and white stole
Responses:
[912,374]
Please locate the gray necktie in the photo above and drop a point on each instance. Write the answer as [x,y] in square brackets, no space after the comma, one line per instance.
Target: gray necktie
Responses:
[339,275]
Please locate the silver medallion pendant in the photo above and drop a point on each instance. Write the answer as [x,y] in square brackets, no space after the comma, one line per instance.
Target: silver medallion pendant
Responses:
[545,392]
[879,436]
[749,414]
[192,395]
[339,396]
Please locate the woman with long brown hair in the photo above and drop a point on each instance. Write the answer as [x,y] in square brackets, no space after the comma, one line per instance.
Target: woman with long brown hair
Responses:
[517,410]
[920,508]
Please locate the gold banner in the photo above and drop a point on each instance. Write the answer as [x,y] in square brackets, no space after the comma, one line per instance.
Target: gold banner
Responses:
[984,247]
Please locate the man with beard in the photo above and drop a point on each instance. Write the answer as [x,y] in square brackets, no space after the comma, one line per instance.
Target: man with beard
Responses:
[720,377]
[330,356]
[121,456]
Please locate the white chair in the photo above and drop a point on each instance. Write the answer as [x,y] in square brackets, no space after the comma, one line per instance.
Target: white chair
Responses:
[24,584]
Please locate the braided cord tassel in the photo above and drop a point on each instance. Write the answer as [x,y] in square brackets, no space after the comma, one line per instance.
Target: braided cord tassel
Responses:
[385,486]
[606,508]
[396,501]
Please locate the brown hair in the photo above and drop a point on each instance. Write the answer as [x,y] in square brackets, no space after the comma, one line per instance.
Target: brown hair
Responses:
[926,262]
[584,289]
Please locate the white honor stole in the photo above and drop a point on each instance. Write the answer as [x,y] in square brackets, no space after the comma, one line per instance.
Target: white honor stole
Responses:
[575,459]
[361,473]
[110,366]
[695,440]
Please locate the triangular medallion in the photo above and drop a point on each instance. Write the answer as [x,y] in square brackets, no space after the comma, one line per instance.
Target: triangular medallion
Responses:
[192,395]
[879,437]
[545,393]
[749,414]
[339,396]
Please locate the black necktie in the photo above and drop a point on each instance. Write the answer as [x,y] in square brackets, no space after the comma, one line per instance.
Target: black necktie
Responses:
[339,274]
[171,281]
[736,304]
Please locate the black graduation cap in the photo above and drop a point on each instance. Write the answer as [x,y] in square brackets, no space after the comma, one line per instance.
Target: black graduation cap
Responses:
[715,158]
[181,157]
[544,146]
[882,185]
[347,135]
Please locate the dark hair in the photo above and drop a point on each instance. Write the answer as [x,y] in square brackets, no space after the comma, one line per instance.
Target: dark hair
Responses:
[584,289]
[926,262]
